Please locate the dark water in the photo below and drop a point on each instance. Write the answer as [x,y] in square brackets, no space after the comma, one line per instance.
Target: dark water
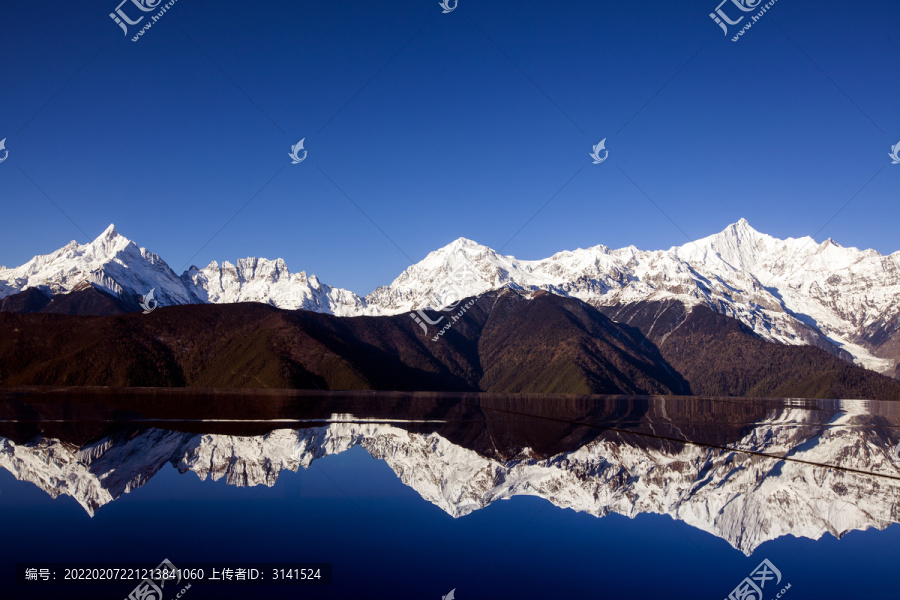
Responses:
[411,496]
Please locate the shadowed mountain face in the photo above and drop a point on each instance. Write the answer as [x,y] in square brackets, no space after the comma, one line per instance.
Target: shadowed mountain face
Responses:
[500,342]
[503,343]
[746,472]
[720,355]
[85,299]
[714,352]
[28,301]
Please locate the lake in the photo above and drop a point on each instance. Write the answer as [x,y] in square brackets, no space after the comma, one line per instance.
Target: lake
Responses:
[484,495]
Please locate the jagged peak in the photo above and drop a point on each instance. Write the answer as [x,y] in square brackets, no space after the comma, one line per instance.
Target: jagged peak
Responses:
[741,228]
[463,241]
[458,244]
[109,233]
[460,248]
[109,242]
[735,234]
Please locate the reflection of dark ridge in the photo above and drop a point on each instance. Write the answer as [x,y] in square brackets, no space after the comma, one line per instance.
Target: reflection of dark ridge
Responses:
[265,399]
[747,472]
[498,426]
[645,440]
[87,408]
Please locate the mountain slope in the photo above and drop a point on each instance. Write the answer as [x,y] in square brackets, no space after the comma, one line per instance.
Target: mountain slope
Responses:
[504,342]
[795,291]
[555,345]
[252,345]
[716,353]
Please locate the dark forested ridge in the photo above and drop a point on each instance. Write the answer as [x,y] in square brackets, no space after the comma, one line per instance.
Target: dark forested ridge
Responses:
[502,343]
[715,352]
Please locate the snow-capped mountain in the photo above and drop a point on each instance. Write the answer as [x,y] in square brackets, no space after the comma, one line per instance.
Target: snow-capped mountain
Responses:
[844,293]
[269,281]
[111,263]
[745,495]
[793,291]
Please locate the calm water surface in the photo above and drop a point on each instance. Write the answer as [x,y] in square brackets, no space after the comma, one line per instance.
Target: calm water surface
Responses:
[413,495]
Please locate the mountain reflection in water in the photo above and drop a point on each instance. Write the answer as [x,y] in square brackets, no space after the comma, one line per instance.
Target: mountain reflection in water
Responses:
[747,471]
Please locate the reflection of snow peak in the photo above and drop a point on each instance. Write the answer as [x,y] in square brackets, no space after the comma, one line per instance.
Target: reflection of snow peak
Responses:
[743,498]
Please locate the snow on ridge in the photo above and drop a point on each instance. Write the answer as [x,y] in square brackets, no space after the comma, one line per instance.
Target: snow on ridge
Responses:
[111,262]
[786,291]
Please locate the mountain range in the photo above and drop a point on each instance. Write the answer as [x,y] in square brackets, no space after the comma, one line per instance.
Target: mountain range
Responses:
[794,292]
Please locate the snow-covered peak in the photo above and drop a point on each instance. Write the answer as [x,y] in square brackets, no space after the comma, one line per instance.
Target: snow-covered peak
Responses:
[738,246]
[106,245]
[741,231]
[109,233]
[792,291]
[461,250]
[111,262]
[462,242]
[271,282]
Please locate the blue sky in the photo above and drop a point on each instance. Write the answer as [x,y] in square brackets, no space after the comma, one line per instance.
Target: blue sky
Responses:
[422,127]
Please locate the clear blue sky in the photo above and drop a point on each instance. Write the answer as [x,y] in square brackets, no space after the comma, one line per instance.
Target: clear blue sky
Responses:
[443,125]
